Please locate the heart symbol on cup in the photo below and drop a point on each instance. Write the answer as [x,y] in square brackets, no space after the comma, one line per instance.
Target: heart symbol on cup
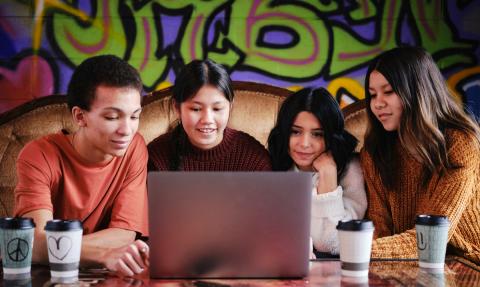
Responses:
[59,247]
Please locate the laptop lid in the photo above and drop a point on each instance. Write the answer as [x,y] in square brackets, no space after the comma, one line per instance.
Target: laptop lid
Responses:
[229,224]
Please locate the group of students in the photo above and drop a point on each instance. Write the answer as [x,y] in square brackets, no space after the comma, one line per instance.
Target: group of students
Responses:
[421,156]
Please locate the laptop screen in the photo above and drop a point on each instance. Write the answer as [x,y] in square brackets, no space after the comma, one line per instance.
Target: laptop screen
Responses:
[229,224]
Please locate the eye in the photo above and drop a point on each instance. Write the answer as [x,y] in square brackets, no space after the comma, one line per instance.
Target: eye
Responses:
[318,134]
[373,95]
[195,109]
[111,118]
[295,132]
[135,118]
[389,92]
[217,109]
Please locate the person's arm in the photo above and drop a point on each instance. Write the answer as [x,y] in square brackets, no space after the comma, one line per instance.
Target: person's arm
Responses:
[346,201]
[326,169]
[378,210]
[39,252]
[449,196]
[115,249]
[111,248]
[130,207]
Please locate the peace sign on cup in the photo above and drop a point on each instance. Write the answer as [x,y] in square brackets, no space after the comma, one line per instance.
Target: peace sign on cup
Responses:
[16,240]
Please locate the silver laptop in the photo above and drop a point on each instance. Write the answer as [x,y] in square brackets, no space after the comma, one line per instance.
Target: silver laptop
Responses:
[229,224]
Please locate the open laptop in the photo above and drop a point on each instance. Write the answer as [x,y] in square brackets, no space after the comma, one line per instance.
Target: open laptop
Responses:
[229,224]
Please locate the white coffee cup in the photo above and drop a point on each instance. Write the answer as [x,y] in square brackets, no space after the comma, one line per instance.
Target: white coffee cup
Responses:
[355,244]
[64,243]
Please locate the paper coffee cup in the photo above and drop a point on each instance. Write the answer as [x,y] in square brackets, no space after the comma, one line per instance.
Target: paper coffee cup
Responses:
[16,235]
[355,243]
[432,239]
[64,243]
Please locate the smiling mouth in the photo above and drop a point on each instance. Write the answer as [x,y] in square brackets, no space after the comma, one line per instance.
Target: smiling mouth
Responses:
[303,155]
[384,116]
[120,143]
[206,130]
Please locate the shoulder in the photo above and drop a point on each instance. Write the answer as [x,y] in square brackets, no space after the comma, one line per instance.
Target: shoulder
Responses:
[138,147]
[247,149]
[138,143]
[353,173]
[457,138]
[160,142]
[242,141]
[365,159]
[159,151]
[241,137]
[462,147]
[353,166]
[49,145]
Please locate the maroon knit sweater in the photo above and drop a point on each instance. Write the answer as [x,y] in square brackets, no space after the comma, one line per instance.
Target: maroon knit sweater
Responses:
[238,151]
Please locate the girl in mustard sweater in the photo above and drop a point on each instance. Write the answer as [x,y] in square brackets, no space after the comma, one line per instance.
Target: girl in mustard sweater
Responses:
[421,156]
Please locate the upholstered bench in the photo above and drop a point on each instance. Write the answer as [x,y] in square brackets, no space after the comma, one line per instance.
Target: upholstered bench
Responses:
[254,111]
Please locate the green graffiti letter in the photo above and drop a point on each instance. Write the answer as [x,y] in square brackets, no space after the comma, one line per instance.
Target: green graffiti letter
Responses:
[349,52]
[304,56]
[104,34]
[436,35]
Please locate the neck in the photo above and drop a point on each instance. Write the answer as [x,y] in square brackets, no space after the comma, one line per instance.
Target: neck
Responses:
[87,151]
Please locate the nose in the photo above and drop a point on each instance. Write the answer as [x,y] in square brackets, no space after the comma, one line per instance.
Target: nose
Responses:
[126,127]
[379,102]
[305,140]
[207,116]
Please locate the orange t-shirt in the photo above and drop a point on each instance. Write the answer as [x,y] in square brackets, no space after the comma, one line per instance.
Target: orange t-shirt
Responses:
[51,175]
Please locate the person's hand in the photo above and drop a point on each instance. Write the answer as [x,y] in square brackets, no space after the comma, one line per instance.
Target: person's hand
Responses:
[128,260]
[327,172]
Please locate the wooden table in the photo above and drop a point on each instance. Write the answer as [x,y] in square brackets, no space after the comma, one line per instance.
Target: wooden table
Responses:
[458,272]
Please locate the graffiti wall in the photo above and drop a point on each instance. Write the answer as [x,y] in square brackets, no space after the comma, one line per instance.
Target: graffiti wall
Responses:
[285,43]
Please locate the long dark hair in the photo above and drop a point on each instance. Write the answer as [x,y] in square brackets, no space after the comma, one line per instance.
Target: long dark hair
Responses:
[191,78]
[325,108]
[428,109]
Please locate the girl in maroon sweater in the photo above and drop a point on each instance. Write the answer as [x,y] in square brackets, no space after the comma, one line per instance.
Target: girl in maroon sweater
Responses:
[202,99]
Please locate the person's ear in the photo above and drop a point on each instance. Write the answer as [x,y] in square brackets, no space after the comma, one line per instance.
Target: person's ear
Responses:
[79,116]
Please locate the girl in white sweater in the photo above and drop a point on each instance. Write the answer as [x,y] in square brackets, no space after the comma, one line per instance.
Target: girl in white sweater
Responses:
[309,136]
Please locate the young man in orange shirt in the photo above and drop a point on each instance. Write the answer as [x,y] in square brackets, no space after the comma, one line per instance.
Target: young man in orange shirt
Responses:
[96,174]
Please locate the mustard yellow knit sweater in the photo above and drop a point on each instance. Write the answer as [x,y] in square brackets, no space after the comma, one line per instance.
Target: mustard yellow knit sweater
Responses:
[454,194]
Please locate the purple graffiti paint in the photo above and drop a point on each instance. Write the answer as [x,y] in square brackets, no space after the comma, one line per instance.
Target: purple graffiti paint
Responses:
[148,43]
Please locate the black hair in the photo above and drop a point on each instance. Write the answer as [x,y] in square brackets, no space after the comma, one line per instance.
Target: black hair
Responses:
[325,108]
[193,77]
[108,70]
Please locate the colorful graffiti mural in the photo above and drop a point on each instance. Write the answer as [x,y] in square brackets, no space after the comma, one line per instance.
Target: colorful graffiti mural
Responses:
[284,43]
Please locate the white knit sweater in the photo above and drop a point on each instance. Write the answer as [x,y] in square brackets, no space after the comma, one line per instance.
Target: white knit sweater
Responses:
[347,201]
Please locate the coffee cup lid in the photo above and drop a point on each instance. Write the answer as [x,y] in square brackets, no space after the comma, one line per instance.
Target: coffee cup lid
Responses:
[428,219]
[63,225]
[355,225]
[16,223]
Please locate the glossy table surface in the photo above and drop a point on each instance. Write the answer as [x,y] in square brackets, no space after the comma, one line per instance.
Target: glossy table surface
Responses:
[457,272]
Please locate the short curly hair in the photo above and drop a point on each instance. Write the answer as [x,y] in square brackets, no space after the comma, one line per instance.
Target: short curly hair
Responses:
[108,70]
